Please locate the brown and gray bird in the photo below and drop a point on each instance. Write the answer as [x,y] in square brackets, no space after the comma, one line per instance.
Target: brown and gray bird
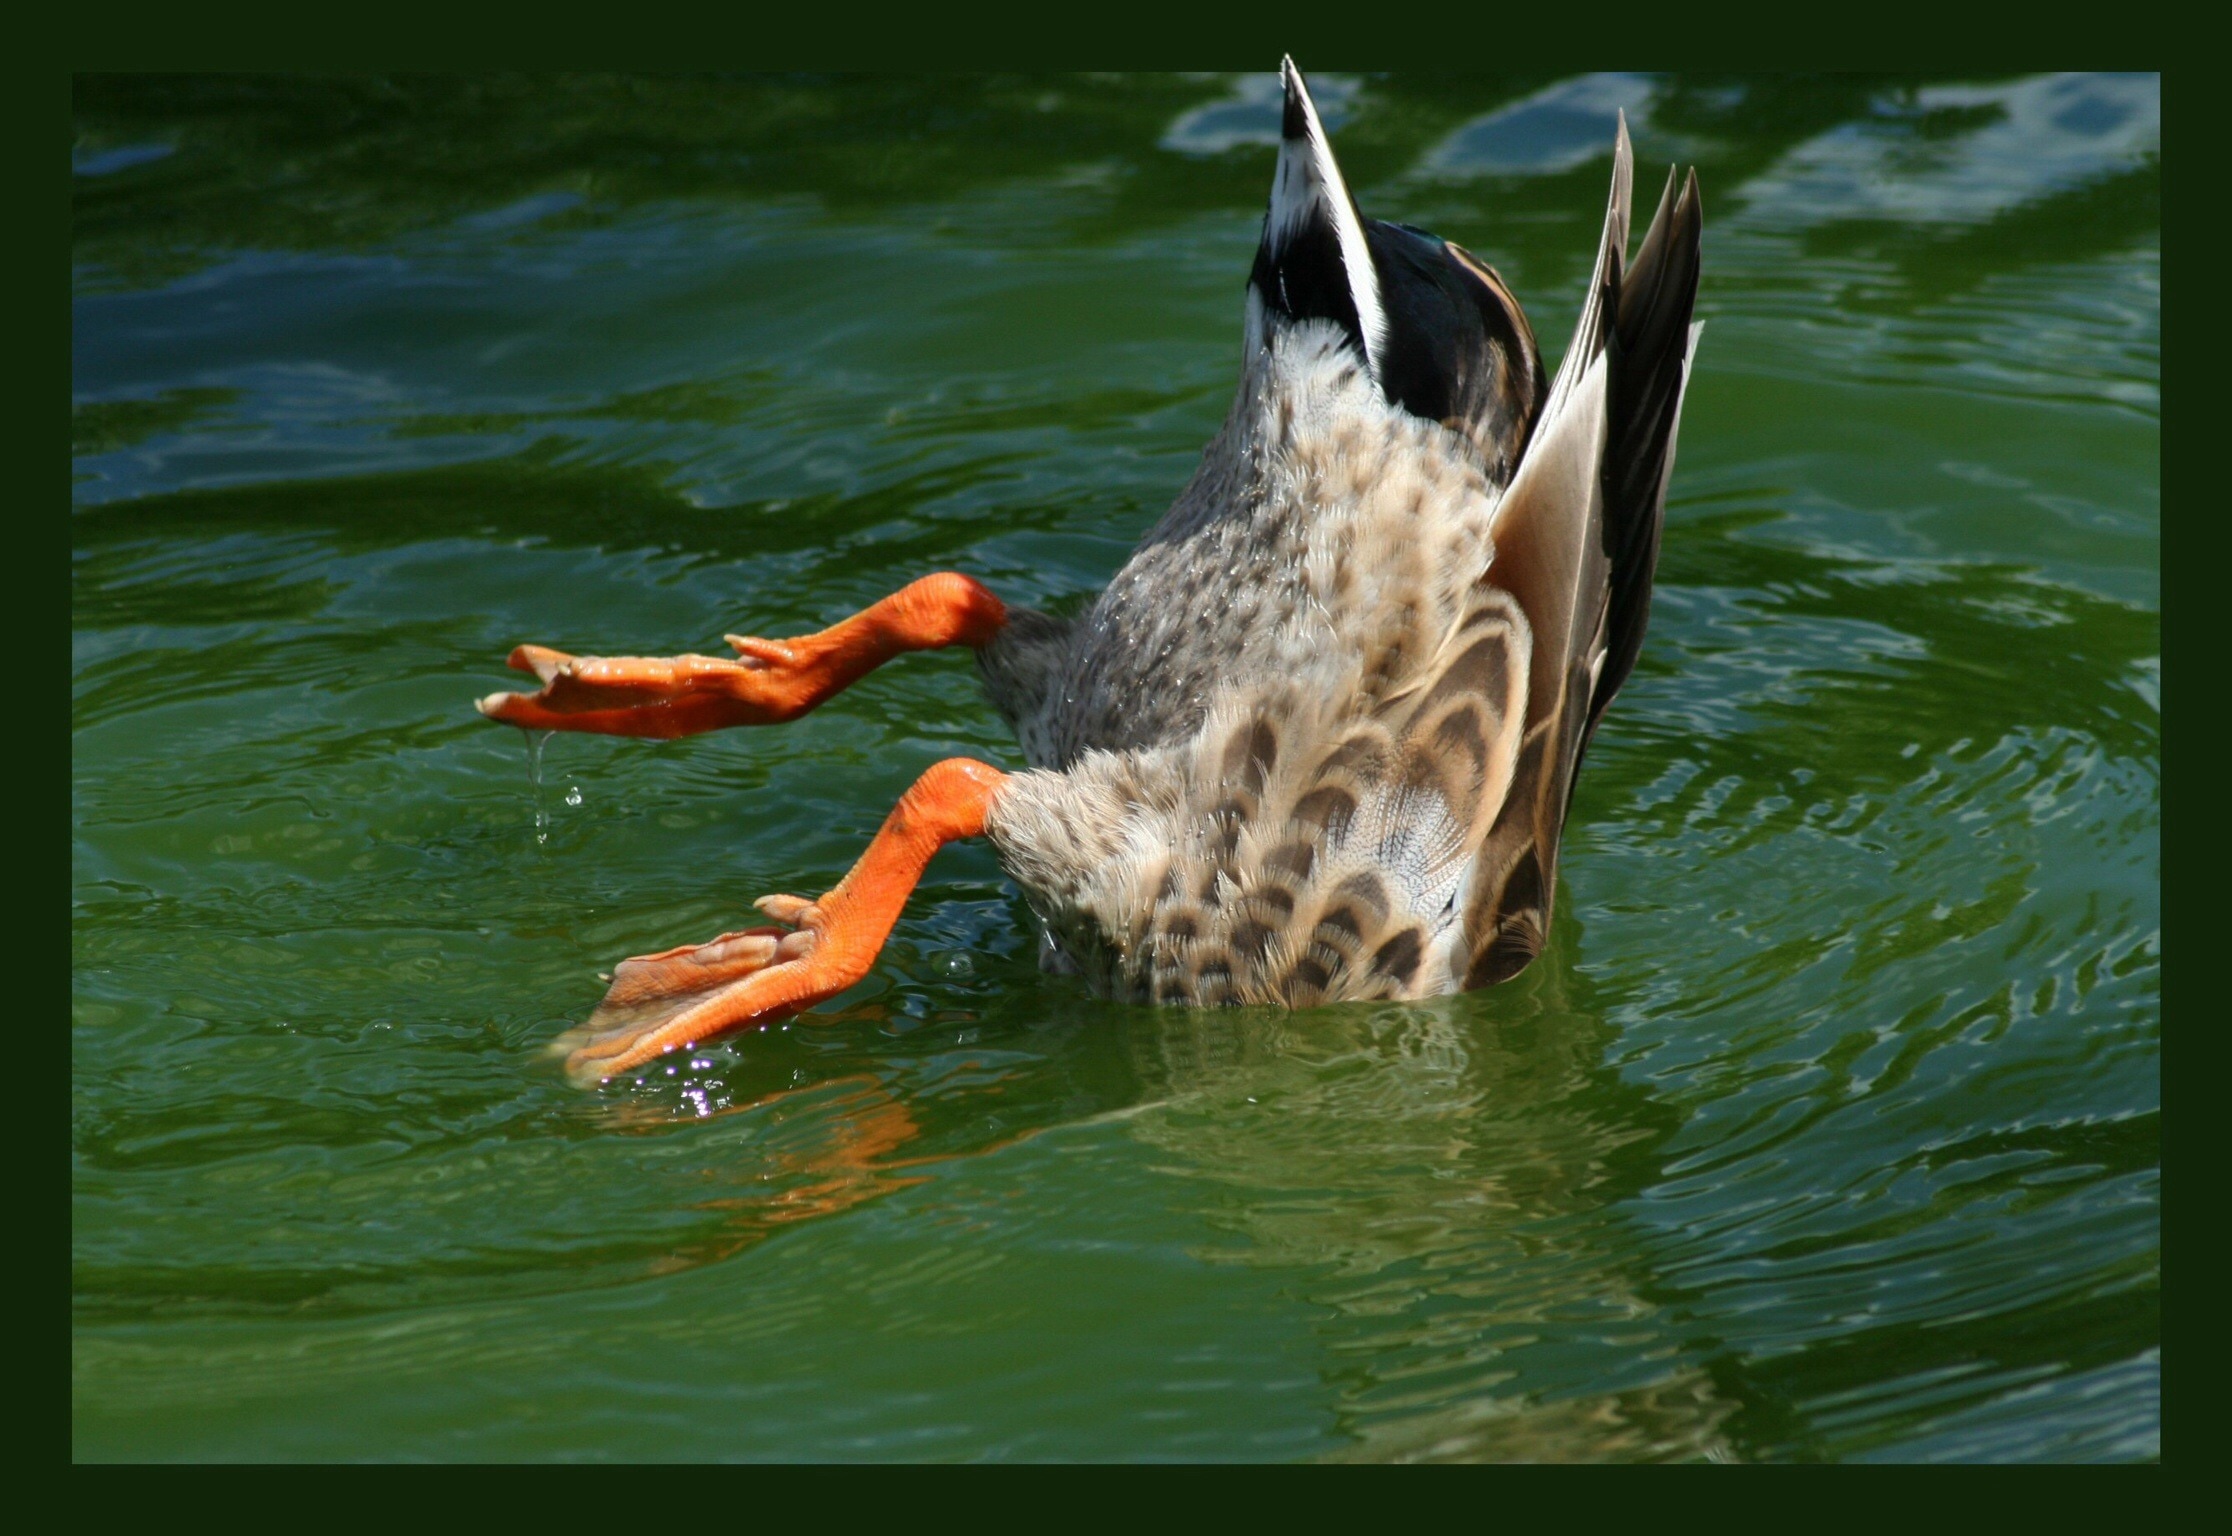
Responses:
[1316,741]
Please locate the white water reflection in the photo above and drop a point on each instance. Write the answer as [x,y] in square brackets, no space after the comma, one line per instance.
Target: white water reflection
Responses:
[2030,139]
[1558,129]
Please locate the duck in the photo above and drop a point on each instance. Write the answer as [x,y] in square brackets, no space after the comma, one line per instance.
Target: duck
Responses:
[1316,741]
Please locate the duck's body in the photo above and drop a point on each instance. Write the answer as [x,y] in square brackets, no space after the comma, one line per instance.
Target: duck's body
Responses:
[1316,739]
[1248,788]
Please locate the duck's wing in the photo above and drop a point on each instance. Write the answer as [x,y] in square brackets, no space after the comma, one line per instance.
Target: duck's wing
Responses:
[1576,539]
[1651,347]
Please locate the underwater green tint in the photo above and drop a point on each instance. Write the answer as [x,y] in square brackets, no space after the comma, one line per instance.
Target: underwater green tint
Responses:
[1827,1128]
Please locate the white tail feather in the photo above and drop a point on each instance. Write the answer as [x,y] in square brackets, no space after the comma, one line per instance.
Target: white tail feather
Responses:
[1307,177]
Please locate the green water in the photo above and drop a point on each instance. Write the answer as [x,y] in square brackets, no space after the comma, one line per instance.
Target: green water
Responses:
[1828,1126]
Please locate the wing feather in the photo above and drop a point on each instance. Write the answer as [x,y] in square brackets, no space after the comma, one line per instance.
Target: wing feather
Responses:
[1576,543]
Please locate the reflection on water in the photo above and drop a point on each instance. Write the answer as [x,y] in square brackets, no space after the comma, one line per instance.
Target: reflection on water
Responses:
[1827,1127]
[1559,128]
[1963,154]
[1438,1178]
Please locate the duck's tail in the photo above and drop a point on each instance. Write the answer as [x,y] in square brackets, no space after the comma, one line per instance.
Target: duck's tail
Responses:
[1434,326]
[1313,261]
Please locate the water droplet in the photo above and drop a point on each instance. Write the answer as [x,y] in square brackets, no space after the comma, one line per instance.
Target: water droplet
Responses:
[535,743]
[573,795]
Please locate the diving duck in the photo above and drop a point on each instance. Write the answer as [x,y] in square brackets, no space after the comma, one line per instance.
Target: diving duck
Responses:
[1316,740]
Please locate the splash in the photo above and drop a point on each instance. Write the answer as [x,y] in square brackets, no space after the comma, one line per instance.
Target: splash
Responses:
[536,740]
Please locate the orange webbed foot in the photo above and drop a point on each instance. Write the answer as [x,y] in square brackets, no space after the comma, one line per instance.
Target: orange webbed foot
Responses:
[769,681]
[665,1002]
[663,696]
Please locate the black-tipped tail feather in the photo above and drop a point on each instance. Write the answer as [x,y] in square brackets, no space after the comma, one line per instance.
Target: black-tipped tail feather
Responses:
[1648,348]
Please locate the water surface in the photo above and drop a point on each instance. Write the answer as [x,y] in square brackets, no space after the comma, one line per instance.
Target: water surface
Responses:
[1827,1128]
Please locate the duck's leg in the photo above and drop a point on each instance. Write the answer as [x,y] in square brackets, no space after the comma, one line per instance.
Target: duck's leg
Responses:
[658,1003]
[770,681]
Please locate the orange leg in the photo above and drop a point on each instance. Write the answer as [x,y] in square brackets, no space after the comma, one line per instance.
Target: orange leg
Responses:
[659,1003]
[771,681]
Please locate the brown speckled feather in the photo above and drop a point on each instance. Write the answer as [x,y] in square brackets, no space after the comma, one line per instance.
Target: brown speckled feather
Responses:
[1316,740]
